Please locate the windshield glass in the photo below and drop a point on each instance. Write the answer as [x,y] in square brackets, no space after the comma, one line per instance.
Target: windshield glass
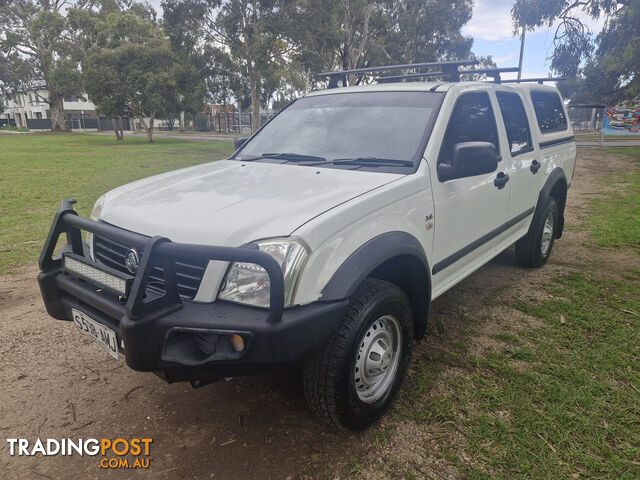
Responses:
[368,125]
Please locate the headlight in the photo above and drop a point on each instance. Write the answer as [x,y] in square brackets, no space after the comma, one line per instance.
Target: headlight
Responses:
[249,283]
[96,213]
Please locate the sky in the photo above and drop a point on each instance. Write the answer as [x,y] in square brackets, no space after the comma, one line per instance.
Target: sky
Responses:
[492,31]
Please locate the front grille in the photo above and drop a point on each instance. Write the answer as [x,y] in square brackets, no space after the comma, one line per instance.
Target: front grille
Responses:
[188,273]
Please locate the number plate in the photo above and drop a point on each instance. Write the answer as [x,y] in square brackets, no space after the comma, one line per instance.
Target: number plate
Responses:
[97,332]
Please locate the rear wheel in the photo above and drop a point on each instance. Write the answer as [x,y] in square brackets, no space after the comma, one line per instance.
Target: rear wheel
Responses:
[533,250]
[354,379]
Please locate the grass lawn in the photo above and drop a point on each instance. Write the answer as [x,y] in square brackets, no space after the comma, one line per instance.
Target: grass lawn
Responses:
[557,401]
[37,171]
[621,225]
[558,393]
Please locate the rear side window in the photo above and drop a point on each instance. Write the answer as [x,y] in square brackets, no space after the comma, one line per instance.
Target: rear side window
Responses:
[472,120]
[549,111]
[515,122]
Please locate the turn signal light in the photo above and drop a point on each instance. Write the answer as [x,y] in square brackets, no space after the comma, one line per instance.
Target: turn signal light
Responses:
[237,342]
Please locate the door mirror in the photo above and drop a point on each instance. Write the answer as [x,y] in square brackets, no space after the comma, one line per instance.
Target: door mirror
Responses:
[470,159]
[239,141]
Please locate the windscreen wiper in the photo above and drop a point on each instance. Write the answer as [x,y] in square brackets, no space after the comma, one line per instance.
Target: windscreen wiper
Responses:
[287,156]
[373,162]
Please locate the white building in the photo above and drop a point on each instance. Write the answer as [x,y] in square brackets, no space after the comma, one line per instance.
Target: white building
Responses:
[29,105]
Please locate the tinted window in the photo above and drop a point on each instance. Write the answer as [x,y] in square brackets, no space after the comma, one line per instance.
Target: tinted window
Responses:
[549,111]
[515,122]
[472,120]
[389,125]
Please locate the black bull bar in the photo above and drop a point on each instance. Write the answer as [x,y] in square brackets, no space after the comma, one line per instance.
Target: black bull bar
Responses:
[158,252]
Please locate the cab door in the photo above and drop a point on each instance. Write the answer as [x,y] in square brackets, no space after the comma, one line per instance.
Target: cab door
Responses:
[469,212]
[527,173]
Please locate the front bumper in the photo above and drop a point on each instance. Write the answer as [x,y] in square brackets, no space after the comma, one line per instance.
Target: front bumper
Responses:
[183,340]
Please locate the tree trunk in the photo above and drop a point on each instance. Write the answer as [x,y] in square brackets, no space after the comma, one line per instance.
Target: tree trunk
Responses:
[115,128]
[182,129]
[149,128]
[56,107]
[120,128]
[255,102]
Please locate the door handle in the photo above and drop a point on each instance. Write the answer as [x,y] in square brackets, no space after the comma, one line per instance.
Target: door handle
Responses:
[501,180]
[535,166]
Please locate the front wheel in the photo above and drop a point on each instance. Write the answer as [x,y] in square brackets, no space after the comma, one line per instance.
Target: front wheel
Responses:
[354,379]
[534,248]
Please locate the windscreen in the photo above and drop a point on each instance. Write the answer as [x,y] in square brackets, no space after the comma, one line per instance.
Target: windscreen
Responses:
[385,125]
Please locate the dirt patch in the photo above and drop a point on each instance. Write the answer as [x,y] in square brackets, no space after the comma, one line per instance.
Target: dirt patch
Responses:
[58,384]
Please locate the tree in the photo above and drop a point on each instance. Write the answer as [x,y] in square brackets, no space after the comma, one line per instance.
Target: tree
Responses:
[224,82]
[428,31]
[186,90]
[604,68]
[108,24]
[183,23]
[140,76]
[348,34]
[130,64]
[38,31]
[272,48]
[252,34]
[613,74]
[340,34]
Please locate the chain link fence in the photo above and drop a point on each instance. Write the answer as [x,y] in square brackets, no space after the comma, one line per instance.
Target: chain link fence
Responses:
[586,119]
[239,123]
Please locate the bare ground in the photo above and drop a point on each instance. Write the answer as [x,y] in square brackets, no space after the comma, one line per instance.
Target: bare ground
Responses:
[57,384]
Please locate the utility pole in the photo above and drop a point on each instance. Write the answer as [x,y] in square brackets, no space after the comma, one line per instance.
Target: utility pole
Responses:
[521,54]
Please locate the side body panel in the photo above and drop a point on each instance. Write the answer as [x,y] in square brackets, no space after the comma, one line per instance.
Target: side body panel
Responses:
[525,184]
[468,211]
[402,206]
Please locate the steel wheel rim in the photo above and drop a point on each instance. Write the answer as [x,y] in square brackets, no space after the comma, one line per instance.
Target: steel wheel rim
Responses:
[547,234]
[378,358]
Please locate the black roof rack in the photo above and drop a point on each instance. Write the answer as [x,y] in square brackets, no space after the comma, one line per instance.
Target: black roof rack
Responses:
[490,72]
[395,78]
[539,80]
[448,68]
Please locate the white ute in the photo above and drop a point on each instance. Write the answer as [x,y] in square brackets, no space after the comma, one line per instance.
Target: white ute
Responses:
[322,240]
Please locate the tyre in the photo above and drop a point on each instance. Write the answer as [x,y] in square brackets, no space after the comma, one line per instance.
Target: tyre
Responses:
[534,248]
[353,380]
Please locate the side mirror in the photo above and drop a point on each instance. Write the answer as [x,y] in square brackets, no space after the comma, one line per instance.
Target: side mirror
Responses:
[470,159]
[239,141]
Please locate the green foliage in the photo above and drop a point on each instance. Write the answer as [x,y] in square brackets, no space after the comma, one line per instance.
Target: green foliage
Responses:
[246,51]
[604,69]
[37,31]
[255,34]
[261,50]
[618,57]
[14,70]
[52,37]
[354,33]
[133,66]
